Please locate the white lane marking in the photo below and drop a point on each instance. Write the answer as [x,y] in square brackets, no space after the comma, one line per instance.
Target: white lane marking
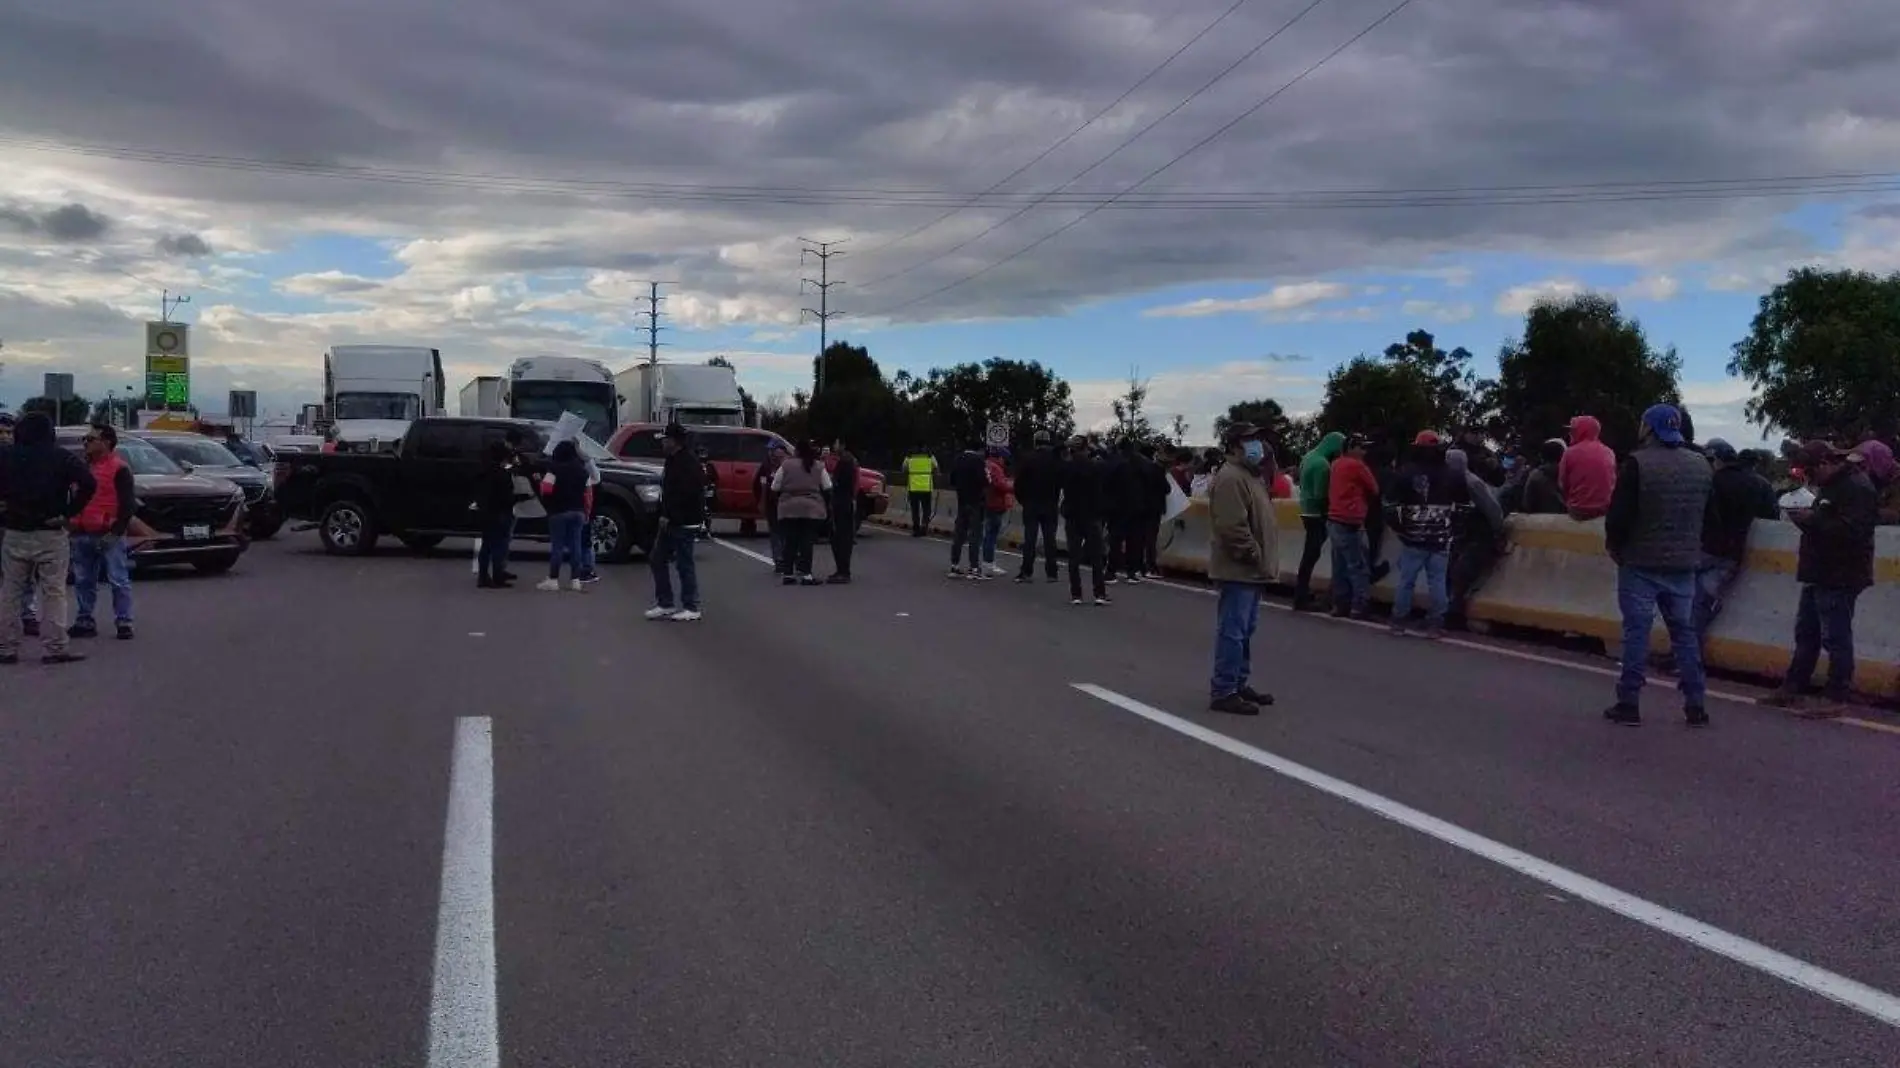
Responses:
[463,1027]
[743,551]
[1855,995]
[1495,650]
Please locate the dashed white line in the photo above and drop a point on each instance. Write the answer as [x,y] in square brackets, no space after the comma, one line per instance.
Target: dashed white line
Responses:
[464,1031]
[1851,993]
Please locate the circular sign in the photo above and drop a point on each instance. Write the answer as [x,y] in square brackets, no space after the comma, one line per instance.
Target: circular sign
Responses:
[998,434]
[166,340]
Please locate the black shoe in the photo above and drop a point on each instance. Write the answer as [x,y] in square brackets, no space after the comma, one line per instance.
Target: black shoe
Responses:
[1624,715]
[1380,570]
[1021,579]
[788,580]
[31,627]
[62,658]
[838,580]
[1053,578]
[1102,600]
[509,576]
[125,632]
[1306,605]
[485,583]
[84,628]
[1264,700]
[1696,716]
[1234,705]
[14,658]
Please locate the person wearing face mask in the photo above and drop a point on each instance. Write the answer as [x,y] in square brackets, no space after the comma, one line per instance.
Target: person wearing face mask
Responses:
[1242,560]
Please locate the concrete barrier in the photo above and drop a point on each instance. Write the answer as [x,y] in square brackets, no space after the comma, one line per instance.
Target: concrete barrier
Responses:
[1557,578]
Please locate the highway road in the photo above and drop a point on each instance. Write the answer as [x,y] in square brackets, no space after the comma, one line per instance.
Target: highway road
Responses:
[342,813]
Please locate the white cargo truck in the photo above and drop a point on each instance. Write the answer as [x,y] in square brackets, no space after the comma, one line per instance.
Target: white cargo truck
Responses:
[373,393]
[690,393]
[543,387]
[481,399]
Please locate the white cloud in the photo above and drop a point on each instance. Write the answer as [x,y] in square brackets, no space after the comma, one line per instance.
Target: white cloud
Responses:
[1281,298]
[1655,287]
[1518,299]
[1439,310]
[1201,394]
[327,284]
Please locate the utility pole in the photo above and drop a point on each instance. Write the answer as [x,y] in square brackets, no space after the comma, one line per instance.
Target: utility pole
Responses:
[823,251]
[652,312]
[167,304]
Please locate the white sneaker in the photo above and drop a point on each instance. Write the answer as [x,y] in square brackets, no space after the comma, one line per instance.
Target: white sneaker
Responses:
[576,585]
[548,585]
[687,615]
[657,612]
[995,570]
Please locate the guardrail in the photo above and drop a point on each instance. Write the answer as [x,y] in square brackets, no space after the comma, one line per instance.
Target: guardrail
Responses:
[1557,578]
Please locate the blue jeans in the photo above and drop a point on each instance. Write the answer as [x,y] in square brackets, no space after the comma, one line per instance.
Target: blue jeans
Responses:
[91,552]
[674,546]
[1352,573]
[1640,593]
[775,534]
[1434,564]
[1710,580]
[1236,615]
[1824,621]
[564,541]
[992,530]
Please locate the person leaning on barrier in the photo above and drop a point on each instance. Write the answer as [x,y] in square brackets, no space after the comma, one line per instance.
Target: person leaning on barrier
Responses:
[1242,560]
[1741,496]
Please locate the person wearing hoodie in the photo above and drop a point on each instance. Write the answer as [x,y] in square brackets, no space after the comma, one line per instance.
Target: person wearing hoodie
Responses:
[1653,530]
[1315,482]
[1587,473]
[1741,496]
[1352,491]
[1242,555]
[1154,504]
[1542,495]
[42,488]
[970,478]
[1478,535]
[682,515]
[1039,491]
[998,498]
[565,490]
[1877,462]
[1121,502]
[1082,476]
[1423,499]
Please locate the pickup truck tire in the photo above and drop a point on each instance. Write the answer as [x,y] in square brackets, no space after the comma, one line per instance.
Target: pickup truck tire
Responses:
[347,527]
[612,531]
[266,531]
[420,543]
[217,565]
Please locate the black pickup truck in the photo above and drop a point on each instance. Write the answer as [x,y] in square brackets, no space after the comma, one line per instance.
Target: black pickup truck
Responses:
[421,493]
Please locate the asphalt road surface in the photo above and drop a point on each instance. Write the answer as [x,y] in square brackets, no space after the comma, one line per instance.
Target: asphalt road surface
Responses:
[341,813]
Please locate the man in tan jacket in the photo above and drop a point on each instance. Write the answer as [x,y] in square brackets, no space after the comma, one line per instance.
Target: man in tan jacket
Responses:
[1242,559]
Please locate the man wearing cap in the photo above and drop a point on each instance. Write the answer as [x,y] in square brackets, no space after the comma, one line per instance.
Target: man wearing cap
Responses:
[682,516]
[1741,496]
[1653,530]
[1242,560]
[1424,500]
[1039,492]
[1836,563]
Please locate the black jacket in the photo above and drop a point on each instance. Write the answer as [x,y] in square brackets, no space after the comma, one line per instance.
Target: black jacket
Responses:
[1424,498]
[1121,486]
[1151,488]
[683,490]
[970,477]
[1082,485]
[569,494]
[495,493]
[844,484]
[1837,537]
[41,484]
[1740,498]
[1039,481]
[1541,495]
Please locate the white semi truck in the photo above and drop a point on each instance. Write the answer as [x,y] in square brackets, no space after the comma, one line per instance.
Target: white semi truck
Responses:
[544,387]
[690,393]
[481,398]
[373,393]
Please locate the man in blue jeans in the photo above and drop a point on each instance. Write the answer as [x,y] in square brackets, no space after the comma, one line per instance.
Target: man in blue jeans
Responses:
[1424,498]
[682,516]
[1662,501]
[98,537]
[1835,565]
[1242,560]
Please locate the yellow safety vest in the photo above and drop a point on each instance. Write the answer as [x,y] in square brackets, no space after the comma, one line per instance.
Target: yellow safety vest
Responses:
[918,469]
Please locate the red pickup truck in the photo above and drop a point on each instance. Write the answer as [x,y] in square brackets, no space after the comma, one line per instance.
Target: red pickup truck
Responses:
[736,453]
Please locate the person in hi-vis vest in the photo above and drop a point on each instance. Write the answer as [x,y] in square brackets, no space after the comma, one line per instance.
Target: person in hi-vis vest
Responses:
[920,485]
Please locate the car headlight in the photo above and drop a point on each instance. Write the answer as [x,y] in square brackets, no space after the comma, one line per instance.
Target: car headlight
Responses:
[649,494]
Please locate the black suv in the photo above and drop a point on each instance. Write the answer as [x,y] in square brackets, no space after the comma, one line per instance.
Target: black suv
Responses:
[201,455]
[180,518]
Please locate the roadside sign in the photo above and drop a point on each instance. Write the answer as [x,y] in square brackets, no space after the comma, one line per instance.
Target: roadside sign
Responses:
[997,434]
[243,404]
[167,339]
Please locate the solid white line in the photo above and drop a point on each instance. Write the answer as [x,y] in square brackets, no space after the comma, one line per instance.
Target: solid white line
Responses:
[1858,996]
[463,1027]
[743,551]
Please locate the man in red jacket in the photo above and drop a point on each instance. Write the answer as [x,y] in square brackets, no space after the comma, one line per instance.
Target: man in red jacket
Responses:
[98,536]
[997,501]
[1352,492]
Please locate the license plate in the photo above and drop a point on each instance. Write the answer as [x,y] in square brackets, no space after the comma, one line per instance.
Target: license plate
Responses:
[197,532]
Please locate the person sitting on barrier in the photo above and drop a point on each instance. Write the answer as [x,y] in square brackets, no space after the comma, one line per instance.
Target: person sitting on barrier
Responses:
[1542,493]
[1242,560]
[1587,473]
[1835,565]
[1478,537]
[1876,459]
[1653,530]
[1352,491]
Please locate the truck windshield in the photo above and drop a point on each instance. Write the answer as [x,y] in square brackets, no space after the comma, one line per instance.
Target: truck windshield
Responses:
[707,416]
[545,401]
[400,406]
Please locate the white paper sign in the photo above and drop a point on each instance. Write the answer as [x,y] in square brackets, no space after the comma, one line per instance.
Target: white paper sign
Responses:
[1177,501]
[566,428]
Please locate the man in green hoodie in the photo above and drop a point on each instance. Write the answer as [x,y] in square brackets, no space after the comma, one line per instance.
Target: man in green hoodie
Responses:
[1315,483]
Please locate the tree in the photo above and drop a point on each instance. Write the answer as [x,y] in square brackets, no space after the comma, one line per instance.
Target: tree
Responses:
[1178,429]
[1823,354]
[70,412]
[1457,393]
[1388,401]
[1579,356]
[748,407]
[957,404]
[845,363]
[1131,422]
[1264,412]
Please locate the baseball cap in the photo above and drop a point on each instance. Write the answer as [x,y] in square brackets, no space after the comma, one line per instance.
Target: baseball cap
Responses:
[1819,452]
[1239,432]
[1042,437]
[776,445]
[1664,421]
[675,431]
[1426,437]
[1721,450]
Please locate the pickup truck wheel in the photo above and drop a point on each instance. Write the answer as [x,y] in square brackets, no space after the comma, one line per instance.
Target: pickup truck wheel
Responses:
[612,531]
[421,543]
[347,528]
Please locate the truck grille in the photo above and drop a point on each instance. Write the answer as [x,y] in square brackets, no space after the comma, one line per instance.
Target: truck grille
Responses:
[172,514]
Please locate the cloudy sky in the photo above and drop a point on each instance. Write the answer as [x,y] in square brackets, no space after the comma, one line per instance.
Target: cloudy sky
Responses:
[497,179]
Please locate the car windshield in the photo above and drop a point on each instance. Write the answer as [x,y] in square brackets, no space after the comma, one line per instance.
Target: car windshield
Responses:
[377,406]
[198,452]
[143,459]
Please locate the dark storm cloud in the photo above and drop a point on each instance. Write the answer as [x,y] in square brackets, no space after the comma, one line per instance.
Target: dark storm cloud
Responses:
[68,223]
[829,93]
[182,246]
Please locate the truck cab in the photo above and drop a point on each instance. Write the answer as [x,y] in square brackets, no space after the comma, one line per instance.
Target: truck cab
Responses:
[545,387]
[373,393]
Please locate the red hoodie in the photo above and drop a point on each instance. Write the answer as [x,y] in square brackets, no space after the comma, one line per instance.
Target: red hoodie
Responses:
[1350,492]
[1001,496]
[1587,473]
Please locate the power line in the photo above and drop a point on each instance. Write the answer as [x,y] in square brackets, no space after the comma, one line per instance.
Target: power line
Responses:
[1158,171]
[1066,138]
[1138,134]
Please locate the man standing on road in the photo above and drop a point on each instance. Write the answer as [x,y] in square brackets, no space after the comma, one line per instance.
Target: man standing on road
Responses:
[1082,519]
[1740,497]
[1424,498]
[1315,483]
[1154,505]
[42,486]
[1835,565]
[970,478]
[920,485]
[767,497]
[1121,507]
[1352,492]
[1242,559]
[98,536]
[682,516]
[29,622]
[844,513]
[1653,530]
[1039,491]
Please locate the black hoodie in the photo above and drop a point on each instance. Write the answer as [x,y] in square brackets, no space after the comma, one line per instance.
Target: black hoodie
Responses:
[41,484]
[1039,481]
